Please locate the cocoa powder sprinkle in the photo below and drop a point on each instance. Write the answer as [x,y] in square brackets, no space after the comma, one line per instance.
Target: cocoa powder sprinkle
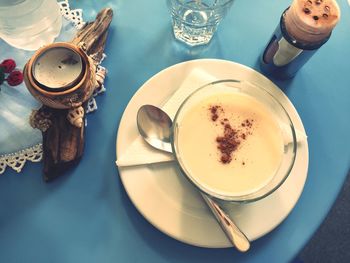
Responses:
[214,112]
[227,143]
[232,137]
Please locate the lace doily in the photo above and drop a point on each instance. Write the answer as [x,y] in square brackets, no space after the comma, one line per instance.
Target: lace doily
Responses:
[16,160]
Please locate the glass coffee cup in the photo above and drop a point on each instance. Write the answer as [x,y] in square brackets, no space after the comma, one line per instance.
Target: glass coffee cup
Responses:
[234,141]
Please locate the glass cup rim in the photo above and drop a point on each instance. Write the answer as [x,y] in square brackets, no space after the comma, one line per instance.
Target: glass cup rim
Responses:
[217,6]
[238,198]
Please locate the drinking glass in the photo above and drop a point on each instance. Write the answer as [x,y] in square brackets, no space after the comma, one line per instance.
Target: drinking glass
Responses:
[29,24]
[195,21]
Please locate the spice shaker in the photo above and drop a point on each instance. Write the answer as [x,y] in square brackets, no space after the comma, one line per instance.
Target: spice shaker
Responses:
[304,27]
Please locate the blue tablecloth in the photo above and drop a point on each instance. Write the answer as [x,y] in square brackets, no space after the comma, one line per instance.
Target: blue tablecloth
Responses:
[86,216]
[17,137]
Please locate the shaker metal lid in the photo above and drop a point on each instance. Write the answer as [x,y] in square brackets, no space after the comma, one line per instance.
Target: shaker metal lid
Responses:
[311,21]
[58,68]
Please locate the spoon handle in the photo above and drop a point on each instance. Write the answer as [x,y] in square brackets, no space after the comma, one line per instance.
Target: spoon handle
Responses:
[233,233]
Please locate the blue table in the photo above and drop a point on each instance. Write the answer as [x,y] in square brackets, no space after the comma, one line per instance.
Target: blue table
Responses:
[86,216]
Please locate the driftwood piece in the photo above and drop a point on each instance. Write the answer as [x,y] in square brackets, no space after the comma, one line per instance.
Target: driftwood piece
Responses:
[63,143]
[94,34]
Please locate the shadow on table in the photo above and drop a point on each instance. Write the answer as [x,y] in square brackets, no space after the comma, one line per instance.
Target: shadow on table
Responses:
[323,246]
[17,198]
[284,85]
[174,51]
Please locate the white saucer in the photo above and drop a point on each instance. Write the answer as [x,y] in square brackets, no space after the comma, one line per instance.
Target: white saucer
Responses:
[171,203]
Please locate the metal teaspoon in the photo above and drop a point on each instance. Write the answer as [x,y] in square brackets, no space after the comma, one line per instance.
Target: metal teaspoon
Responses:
[154,126]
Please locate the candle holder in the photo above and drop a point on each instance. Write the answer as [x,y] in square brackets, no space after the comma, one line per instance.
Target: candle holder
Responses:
[62,76]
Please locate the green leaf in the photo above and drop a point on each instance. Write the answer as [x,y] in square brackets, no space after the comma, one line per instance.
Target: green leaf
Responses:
[2,75]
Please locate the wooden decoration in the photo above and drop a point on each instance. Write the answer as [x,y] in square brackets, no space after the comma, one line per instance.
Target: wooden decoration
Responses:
[62,116]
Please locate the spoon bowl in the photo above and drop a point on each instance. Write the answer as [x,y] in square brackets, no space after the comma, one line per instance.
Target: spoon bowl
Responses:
[155,127]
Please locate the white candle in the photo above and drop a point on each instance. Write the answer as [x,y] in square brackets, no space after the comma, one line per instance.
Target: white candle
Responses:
[57,68]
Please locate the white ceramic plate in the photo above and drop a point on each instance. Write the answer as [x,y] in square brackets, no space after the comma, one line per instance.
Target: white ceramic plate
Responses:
[171,203]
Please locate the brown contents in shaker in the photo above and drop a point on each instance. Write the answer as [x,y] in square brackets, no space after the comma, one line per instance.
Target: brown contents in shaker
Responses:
[311,21]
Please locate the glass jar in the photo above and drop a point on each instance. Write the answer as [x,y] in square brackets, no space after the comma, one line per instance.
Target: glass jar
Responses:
[29,24]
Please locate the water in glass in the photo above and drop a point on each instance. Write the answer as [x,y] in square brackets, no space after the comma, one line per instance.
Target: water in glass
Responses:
[29,24]
[195,21]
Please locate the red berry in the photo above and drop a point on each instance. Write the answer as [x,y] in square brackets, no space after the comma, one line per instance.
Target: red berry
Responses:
[8,65]
[15,78]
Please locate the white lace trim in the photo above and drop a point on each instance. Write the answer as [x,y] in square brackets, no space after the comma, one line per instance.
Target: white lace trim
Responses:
[75,16]
[18,159]
[92,105]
